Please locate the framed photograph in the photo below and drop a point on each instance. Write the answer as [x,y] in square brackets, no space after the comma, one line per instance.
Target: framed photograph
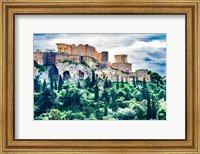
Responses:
[99,76]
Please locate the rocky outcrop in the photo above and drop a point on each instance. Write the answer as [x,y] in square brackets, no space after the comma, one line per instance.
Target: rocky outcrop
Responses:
[74,70]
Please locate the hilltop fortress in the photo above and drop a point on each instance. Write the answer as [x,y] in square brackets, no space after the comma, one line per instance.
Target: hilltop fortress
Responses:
[89,55]
[120,63]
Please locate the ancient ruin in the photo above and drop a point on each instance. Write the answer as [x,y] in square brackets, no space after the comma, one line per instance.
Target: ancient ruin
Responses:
[89,56]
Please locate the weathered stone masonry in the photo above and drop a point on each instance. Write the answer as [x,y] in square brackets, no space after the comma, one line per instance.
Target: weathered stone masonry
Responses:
[90,56]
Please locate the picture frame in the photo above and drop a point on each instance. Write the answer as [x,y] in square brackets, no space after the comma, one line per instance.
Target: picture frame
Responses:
[46,7]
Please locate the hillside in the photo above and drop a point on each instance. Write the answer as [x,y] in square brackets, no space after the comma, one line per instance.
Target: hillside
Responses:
[81,92]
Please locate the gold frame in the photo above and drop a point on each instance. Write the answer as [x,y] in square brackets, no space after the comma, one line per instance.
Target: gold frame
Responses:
[9,8]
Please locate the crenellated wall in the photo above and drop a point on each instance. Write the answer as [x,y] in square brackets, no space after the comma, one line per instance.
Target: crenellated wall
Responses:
[81,49]
[50,58]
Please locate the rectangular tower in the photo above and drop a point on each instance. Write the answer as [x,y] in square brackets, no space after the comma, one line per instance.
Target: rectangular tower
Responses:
[121,58]
[104,55]
[121,63]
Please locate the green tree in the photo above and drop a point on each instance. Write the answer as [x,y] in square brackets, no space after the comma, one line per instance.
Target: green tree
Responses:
[67,99]
[100,113]
[37,84]
[106,84]
[146,95]
[72,99]
[76,99]
[162,94]
[44,85]
[46,101]
[148,108]
[145,91]
[134,84]
[51,83]
[79,85]
[122,82]
[153,107]
[106,110]
[55,85]
[55,114]
[121,93]
[87,82]
[106,99]
[60,83]
[96,96]
[138,95]
[93,79]
[162,114]
[117,81]
[140,113]
[127,93]
[137,80]
[155,78]
[113,94]
[125,114]
[106,96]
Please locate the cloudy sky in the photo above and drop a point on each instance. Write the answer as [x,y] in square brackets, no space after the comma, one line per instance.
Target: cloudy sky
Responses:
[145,51]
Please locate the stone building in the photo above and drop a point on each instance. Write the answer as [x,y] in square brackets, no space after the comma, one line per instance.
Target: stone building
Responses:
[83,50]
[141,74]
[121,58]
[104,56]
[99,57]
[60,57]
[50,58]
[121,63]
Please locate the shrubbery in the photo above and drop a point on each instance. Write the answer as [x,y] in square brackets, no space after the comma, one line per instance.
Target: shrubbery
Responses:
[139,100]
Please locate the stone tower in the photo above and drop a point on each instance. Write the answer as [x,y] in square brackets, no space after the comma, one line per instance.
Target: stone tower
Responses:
[99,57]
[121,58]
[121,63]
[104,56]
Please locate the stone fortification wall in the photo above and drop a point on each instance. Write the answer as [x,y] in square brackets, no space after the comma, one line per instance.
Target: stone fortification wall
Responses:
[121,69]
[142,73]
[89,60]
[50,58]
[83,50]
[60,57]
[112,74]
[122,66]
[99,57]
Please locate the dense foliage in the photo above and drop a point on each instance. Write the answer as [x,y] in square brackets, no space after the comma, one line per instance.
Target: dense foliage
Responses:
[100,99]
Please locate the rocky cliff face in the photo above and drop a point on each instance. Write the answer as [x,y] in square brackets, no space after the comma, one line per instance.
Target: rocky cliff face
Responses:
[43,75]
[75,70]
